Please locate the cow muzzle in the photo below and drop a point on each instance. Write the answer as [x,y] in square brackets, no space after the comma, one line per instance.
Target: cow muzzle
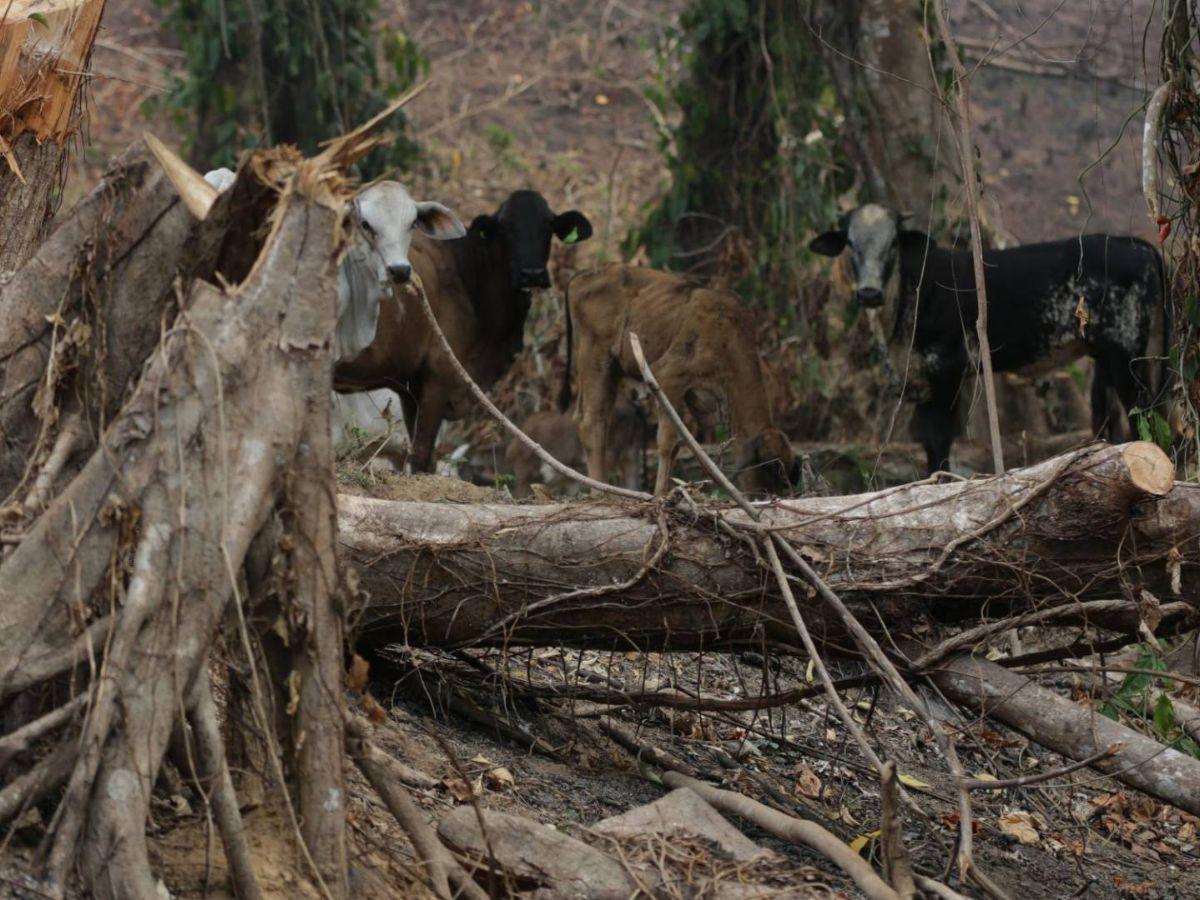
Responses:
[534,278]
[400,273]
[869,297]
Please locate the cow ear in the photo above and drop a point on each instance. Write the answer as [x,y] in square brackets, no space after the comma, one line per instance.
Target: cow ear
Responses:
[485,226]
[572,227]
[831,243]
[438,222]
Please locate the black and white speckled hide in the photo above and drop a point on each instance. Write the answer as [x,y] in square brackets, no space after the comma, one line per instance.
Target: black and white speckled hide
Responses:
[1048,304]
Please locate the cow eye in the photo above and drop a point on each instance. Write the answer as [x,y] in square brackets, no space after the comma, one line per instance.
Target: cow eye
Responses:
[368,229]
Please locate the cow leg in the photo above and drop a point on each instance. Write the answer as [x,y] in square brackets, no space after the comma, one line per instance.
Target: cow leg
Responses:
[597,395]
[408,408]
[1100,417]
[668,449]
[429,413]
[1129,381]
[933,423]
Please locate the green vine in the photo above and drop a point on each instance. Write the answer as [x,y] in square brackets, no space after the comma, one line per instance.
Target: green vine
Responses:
[754,160]
[266,72]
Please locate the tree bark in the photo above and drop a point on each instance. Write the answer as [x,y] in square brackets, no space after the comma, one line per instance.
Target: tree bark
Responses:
[1102,522]
[43,66]
[878,56]
[230,403]
[1075,731]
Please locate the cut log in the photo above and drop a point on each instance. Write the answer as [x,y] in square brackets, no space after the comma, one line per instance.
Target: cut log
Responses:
[1100,523]
[1076,731]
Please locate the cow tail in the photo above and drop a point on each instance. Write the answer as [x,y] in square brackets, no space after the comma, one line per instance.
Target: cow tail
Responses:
[564,393]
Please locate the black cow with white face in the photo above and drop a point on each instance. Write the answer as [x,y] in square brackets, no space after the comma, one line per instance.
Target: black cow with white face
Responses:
[479,288]
[1095,295]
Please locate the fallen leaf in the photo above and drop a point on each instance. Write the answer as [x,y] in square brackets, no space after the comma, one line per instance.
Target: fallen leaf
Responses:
[911,782]
[460,789]
[500,779]
[356,678]
[601,100]
[862,840]
[1019,825]
[375,711]
[808,784]
[844,815]
[482,760]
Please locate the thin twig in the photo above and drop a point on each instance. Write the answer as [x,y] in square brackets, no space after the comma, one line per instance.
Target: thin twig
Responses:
[966,155]
[978,784]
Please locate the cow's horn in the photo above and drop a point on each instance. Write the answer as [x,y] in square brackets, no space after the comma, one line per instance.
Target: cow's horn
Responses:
[197,194]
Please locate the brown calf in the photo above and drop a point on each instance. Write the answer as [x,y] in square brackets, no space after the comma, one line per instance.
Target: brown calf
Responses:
[558,434]
[695,340]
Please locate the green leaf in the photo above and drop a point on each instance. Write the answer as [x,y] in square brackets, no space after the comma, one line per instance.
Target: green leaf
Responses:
[41,19]
[572,236]
[1164,717]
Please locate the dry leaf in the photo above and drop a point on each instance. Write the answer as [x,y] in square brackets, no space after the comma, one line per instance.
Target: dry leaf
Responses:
[375,712]
[910,781]
[500,779]
[1081,314]
[862,840]
[460,789]
[356,678]
[482,760]
[808,784]
[1019,825]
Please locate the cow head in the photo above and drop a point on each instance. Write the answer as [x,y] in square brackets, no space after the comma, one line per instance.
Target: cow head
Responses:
[875,239]
[766,462]
[526,224]
[386,217]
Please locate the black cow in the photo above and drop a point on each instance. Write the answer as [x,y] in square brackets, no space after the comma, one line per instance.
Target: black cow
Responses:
[479,288]
[1095,295]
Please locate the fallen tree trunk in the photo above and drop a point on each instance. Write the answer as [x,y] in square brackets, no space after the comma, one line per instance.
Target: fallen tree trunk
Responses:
[1076,731]
[1099,523]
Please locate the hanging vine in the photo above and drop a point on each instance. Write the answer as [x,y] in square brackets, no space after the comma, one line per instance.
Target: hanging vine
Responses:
[267,72]
[754,158]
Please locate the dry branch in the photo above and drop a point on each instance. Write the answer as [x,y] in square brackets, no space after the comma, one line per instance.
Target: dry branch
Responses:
[1075,731]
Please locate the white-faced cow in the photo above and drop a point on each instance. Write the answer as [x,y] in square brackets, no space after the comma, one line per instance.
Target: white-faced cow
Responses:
[1095,295]
[479,289]
[383,221]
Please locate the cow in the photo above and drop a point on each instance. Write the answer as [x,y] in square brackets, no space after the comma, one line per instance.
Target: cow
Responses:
[383,219]
[696,340]
[1049,303]
[479,289]
[558,433]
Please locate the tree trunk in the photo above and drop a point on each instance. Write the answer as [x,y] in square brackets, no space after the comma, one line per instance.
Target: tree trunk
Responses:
[877,53]
[43,63]
[225,425]
[1100,523]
